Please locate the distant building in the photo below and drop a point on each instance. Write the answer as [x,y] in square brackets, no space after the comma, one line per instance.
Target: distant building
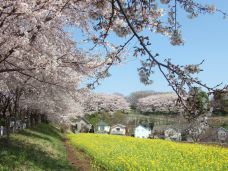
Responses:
[118,129]
[103,127]
[172,134]
[81,125]
[142,132]
[222,134]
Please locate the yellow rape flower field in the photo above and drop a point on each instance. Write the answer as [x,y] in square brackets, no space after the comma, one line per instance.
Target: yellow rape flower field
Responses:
[120,153]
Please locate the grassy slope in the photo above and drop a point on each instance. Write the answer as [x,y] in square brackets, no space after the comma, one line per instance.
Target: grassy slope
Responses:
[41,148]
[133,154]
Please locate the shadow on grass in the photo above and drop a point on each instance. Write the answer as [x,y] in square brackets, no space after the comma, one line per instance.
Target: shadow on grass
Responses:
[48,130]
[22,155]
[34,135]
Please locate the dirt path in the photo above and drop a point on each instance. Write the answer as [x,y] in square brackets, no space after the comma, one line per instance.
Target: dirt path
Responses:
[77,158]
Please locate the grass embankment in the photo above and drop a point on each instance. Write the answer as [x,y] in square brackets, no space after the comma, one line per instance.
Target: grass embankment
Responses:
[131,154]
[36,149]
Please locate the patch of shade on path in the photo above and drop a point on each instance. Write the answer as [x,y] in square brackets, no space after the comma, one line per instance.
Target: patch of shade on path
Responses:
[78,159]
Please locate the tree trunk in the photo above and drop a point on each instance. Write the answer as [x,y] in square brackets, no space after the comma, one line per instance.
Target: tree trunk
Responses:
[7,125]
[1,131]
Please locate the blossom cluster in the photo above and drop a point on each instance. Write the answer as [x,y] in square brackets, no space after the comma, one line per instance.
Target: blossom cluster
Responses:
[162,102]
[100,102]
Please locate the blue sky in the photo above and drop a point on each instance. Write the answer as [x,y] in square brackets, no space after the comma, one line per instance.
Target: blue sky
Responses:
[206,37]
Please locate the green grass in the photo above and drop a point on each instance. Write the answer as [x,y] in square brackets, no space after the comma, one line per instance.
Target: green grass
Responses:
[36,149]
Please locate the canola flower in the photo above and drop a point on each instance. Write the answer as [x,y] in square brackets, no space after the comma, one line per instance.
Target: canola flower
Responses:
[120,153]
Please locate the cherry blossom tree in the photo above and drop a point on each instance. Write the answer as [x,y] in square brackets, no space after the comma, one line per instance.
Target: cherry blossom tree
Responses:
[36,52]
[29,98]
[40,65]
[33,39]
[163,102]
[109,103]
[135,96]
